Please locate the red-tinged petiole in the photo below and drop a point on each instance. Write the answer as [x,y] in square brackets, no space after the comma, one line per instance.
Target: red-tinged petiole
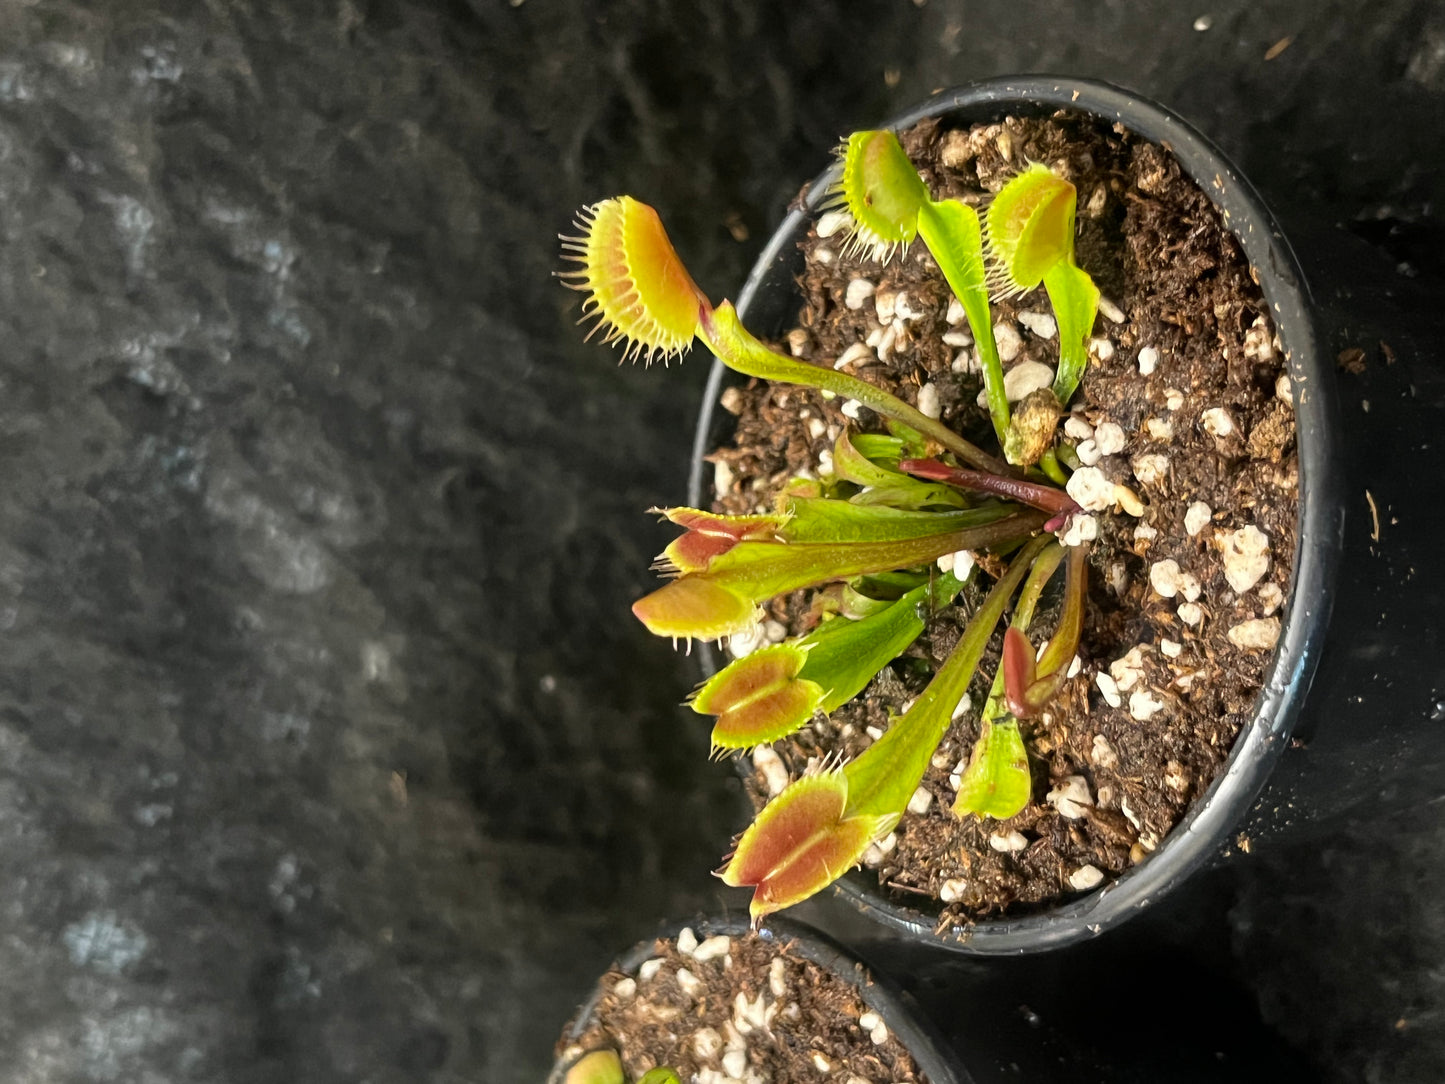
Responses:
[1045,498]
[1029,683]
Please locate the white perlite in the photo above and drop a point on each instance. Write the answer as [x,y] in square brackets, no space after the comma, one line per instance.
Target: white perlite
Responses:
[1085,878]
[1040,323]
[1109,688]
[742,644]
[1023,379]
[875,854]
[959,562]
[1081,529]
[928,402]
[1078,427]
[777,977]
[1109,438]
[817,428]
[1102,349]
[1246,557]
[775,773]
[832,222]
[1217,422]
[1173,398]
[1091,489]
[648,970]
[1190,613]
[797,341]
[686,941]
[1160,429]
[1258,341]
[1170,649]
[966,362]
[850,408]
[1102,753]
[921,800]
[712,948]
[1148,361]
[625,989]
[952,889]
[1088,452]
[1151,468]
[957,338]
[955,312]
[1111,311]
[1128,671]
[1258,634]
[1144,704]
[1284,390]
[722,478]
[858,293]
[689,983]
[706,1043]
[735,1063]
[1165,577]
[1008,842]
[1196,517]
[748,1015]
[1006,338]
[885,304]
[1070,797]
[1272,598]
[873,1024]
[854,354]
[964,704]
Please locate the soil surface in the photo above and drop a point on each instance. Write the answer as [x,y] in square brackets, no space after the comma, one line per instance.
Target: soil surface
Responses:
[741,1008]
[1184,404]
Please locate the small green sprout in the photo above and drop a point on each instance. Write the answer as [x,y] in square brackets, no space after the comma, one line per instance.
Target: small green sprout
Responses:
[1028,239]
[605,1067]
[996,782]
[865,537]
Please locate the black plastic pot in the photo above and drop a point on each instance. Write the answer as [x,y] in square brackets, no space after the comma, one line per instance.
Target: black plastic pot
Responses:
[769,304]
[897,1009]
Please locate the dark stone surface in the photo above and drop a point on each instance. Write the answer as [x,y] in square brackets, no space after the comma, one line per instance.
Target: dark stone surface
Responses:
[328,750]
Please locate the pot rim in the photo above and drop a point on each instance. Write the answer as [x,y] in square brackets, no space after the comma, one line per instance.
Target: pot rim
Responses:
[905,1020]
[1319,535]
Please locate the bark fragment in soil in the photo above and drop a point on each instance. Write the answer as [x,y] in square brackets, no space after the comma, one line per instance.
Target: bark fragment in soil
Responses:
[1179,405]
[742,1008]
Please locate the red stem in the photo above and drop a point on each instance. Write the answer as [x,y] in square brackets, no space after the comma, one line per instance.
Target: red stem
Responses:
[1033,494]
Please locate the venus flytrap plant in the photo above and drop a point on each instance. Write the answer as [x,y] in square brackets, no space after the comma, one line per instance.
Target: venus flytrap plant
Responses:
[891,506]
